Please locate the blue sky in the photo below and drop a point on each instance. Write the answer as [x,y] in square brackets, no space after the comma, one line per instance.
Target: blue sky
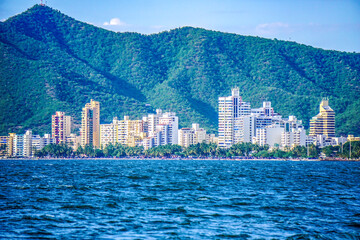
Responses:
[327,24]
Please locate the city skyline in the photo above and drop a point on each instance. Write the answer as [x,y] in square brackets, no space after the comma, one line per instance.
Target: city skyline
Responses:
[331,25]
[238,124]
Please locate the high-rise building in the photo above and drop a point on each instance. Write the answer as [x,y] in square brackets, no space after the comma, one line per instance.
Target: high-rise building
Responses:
[172,122]
[27,147]
[90,124]
[60,127]
[324,122]
[231,112]
[16,145]
[10,144]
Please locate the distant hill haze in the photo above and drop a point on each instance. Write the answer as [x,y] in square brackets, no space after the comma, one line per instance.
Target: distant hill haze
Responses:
[51,62]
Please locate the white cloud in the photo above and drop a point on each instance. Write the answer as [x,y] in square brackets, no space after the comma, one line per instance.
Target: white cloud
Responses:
[270,28]
[115,22]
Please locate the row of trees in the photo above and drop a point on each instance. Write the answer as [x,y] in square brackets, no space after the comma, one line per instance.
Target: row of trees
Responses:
[347,150]
[201,150]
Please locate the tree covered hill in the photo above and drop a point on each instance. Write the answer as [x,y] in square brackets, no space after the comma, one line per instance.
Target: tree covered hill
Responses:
[51,62]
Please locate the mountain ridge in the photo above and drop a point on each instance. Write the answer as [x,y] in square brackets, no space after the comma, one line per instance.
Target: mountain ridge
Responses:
[62,63]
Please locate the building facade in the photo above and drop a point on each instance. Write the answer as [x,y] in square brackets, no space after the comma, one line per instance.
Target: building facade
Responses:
[231,112]
[161,128]
[90,124]
[324,122]
[60,127]
[190,136]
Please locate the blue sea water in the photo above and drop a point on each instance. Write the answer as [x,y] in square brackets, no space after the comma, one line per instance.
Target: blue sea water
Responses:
[150,199]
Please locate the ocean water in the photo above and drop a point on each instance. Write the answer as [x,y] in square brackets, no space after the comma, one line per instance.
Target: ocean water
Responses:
[148,199]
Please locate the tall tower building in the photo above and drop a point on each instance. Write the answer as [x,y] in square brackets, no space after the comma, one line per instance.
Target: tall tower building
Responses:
[10,145]
[60,127]
[231,112]
[90,124]
[324,122]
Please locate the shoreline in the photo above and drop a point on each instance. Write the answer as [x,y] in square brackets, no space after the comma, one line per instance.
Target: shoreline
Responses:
[191,159]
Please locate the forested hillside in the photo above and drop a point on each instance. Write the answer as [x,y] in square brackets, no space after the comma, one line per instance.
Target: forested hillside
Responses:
[51,62]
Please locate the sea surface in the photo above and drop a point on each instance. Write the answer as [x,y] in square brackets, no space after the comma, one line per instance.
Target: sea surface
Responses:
[174,199]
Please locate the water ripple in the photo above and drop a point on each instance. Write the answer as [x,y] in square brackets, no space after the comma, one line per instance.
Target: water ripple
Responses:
[146,199]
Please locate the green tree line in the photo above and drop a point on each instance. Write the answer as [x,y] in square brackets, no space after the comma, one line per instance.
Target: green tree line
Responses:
[200,150]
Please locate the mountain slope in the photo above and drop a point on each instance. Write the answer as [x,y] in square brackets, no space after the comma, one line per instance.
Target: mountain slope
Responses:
[51,62]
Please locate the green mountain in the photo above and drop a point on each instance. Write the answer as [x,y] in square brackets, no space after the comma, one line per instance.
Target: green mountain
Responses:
[51,62]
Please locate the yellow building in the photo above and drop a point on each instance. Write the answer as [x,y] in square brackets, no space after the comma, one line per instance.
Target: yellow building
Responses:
[126,132]
[130,132]
[90,124]
[10,145]
[324,122]
[352,138]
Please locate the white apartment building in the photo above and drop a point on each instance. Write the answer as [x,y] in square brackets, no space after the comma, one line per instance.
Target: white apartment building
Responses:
[18,145]
[27,148]
[194,135]
[39,142]
[172,121]
[294,133]
[231,110]
[161,127]
[249,128]
[108,133]
[270,135]
[323,140]
[293,138]
[24,145]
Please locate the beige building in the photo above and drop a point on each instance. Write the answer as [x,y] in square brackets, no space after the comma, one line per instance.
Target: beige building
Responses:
[60,127]
[90,124]
[130,132]
[324,122]
[190,136]
[126,132]
[186,137]
[10,144]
